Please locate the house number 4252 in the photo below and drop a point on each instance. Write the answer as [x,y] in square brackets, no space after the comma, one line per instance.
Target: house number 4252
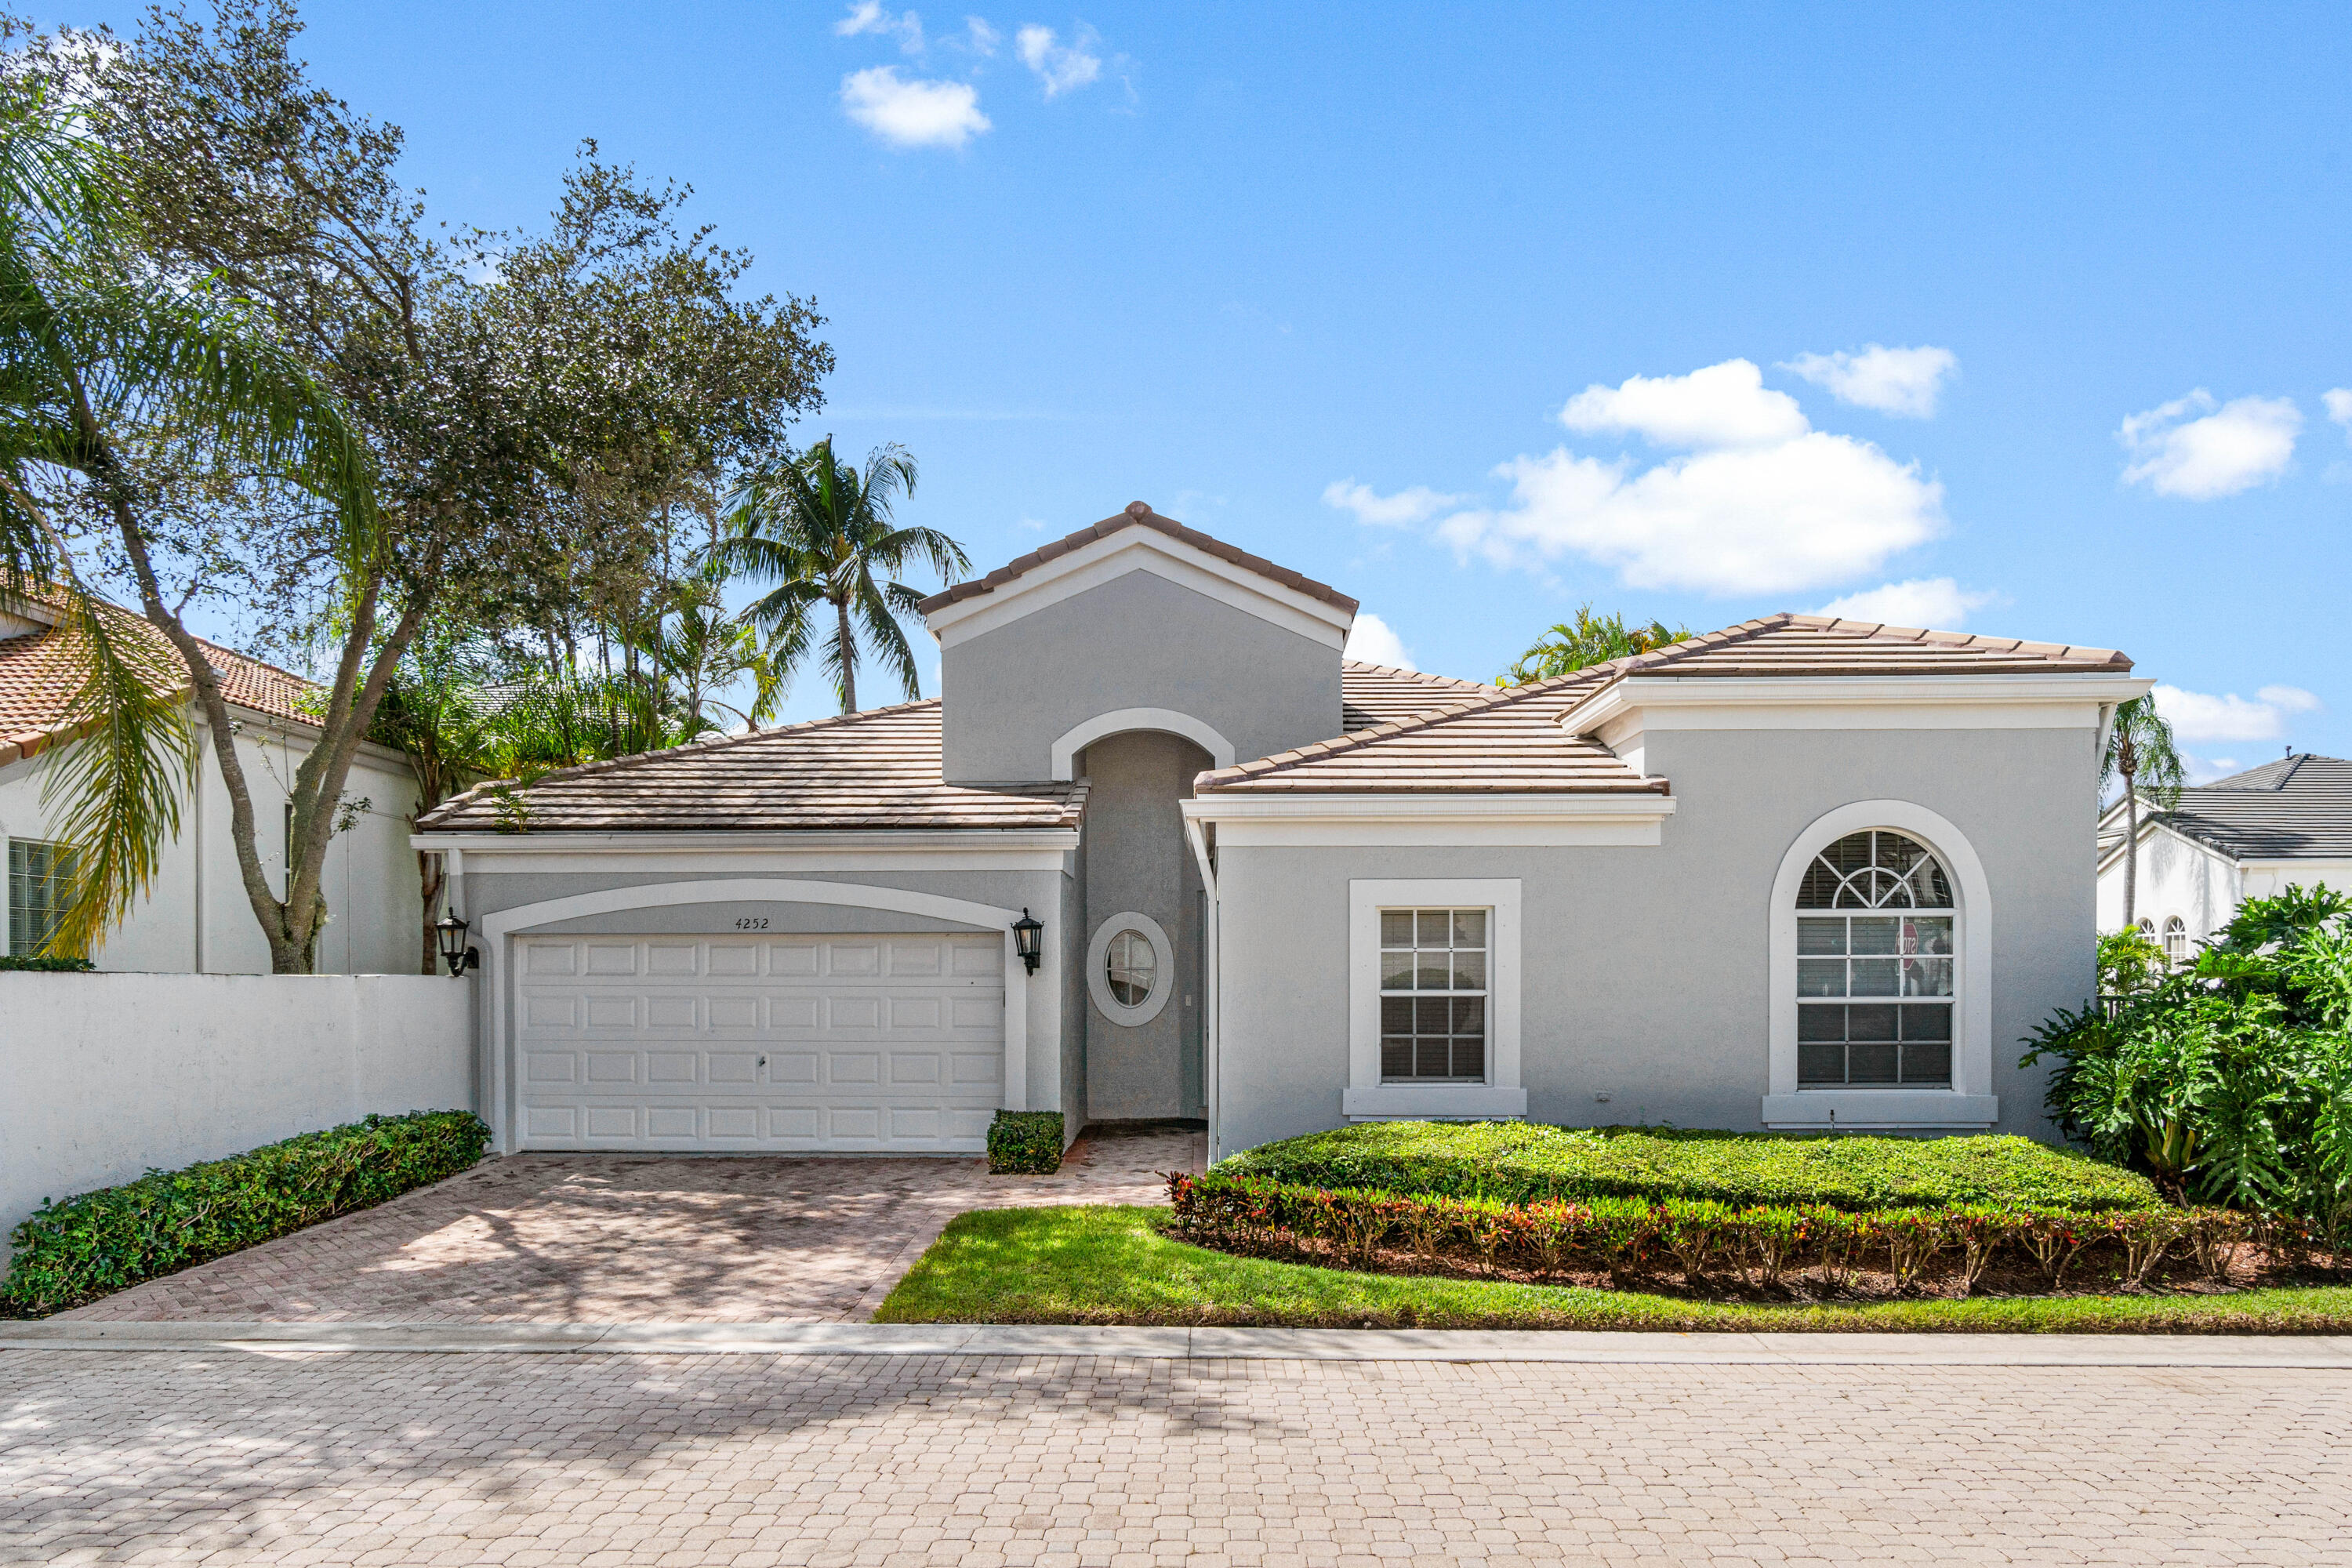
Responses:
[752,922]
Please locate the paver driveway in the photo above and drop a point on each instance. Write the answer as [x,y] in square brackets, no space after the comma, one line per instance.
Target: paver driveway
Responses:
[623,1237]
[751,1459]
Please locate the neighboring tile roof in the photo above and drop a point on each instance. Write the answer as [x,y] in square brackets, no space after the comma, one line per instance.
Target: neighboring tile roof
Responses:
[37,684]
[1139,514]
[1512,740]
[2299,807]
[1376,693]
[877,769]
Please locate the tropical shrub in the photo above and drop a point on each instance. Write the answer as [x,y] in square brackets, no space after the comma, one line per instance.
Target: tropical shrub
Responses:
[1025,1144]
[74,1250]
[2229,1082]
[1520,1163]
[31,963]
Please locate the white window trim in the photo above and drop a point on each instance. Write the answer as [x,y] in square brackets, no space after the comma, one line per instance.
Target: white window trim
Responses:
[1366,1097]
[1163,977]
[1969,1102]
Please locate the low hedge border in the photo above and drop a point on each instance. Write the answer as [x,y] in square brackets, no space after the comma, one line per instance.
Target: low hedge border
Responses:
[1762,1247]
[1025,1144]
[76,1250]
[27,964]
[1523,1162]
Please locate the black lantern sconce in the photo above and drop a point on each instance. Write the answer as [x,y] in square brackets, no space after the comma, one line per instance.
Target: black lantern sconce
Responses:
[1029,938]
[450,931]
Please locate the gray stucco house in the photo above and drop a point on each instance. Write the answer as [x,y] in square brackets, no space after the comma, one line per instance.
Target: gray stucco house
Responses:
[1800,872]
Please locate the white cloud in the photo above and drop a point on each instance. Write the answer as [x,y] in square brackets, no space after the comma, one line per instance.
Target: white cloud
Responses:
[1905,381]
[1723,406]
[1061,67]
[1371,640]
[1935,603]
[2339,406]
[868,16]
[2245,442]
[1768,505]
[980,38]
[913,113]
[2205,770]
[2195,716]
[1407,506]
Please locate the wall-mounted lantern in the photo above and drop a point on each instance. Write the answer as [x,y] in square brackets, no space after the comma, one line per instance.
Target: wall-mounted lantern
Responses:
[1029,938]
[450,931]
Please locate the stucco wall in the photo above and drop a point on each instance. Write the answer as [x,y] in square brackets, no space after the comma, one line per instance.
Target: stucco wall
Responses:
[104,1076]
[2175,877]
[1138,862]
[1137,641]
[1644,969]
[196,918]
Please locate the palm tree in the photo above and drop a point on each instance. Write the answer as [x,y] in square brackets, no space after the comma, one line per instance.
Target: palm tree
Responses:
[1571,645]
[2140,753]
[821,530]
[94,348]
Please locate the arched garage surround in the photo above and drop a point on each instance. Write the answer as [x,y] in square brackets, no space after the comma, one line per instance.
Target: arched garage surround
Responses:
[501,930]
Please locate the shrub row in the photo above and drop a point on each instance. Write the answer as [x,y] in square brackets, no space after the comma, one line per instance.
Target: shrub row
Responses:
[29,963]
[74,1250]
[1521,1163]
[1025,1144]
[1757,1246]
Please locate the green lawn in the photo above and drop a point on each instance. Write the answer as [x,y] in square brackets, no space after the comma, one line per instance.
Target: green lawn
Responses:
[1102,1265]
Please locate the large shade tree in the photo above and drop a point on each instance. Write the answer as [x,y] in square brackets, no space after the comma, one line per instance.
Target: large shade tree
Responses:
[822,530]
[531,405]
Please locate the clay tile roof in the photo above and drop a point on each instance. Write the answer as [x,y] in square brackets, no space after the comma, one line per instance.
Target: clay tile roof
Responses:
[1823,645]
[880,769]
[37,684]
[1376,693]
[1139,514]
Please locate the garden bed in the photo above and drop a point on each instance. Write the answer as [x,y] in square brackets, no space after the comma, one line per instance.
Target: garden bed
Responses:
[1105,1265]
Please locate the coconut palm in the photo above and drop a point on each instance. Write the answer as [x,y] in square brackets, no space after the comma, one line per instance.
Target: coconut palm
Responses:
[1571,645]
[2140,753]
[93,350]
[820,528]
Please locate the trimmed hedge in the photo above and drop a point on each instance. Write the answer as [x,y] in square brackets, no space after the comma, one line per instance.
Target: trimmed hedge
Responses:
[26,964]
[1761,1247]
[1025,1144]
[1521,1163]
[76,1250]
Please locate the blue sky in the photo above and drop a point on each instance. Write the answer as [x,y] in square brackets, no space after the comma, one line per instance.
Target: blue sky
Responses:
[1457,267]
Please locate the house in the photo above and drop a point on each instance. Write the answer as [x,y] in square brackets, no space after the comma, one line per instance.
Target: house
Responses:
[2284,824]
[196,918]
[1799,873]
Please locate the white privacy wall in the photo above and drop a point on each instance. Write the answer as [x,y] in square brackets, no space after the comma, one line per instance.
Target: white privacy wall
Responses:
[105,1075]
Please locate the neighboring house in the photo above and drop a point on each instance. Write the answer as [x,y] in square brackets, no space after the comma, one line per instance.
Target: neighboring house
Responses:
[2245,837]
[196,917]
[1798,873]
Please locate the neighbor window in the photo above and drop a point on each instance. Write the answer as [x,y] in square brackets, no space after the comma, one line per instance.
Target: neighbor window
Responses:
[1433,977]
[1874,966]
[2175,941]
[38,876]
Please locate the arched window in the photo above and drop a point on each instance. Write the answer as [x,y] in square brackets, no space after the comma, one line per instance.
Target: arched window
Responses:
[1875,981]
[2176,941]
[2147,927]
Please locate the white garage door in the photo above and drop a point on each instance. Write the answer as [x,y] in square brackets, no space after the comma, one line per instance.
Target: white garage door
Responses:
[891,1042]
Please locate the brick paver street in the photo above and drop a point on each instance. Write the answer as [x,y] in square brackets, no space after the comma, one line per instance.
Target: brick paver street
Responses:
[747,1459]
[628,1237]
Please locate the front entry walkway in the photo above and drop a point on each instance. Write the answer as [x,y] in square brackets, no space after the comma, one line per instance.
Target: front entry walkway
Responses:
[603,1238]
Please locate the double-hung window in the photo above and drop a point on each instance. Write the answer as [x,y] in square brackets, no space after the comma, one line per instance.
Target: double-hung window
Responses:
[39,875]
[1435,965]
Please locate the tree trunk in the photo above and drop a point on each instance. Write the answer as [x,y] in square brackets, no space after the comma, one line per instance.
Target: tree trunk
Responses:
[849,658]
[2131,853]
[431,879]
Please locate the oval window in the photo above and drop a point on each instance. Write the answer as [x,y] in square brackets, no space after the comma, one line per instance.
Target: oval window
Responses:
[1130,967]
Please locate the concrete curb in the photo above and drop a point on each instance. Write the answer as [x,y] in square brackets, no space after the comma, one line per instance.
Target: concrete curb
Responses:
[2328,1352]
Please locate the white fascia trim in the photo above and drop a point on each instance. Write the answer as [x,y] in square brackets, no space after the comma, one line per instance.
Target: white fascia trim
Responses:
[1126,721]
[1398,820]
[498,929]
[2149,828]
[1972,938]
[1855,701]
[1141,549]
[1366,898]
[978,849]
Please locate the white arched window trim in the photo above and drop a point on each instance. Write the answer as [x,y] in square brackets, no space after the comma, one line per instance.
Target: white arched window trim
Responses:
[1969,1102]
[1163,977]
[1102,726]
